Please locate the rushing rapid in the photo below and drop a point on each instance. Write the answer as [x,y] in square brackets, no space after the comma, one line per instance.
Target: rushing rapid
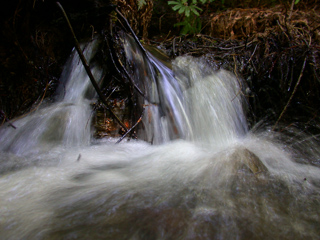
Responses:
[206,175]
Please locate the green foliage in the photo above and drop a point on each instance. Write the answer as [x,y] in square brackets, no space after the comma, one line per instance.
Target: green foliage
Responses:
[183,7]
[141,3]
[191,23]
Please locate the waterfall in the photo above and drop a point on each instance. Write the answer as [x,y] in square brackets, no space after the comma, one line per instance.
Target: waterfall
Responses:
[190,102]
[65,122]
[166,116]
[214,100]
[197,171]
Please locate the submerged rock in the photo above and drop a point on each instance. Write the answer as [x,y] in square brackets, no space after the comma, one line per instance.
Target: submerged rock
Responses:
[247,161]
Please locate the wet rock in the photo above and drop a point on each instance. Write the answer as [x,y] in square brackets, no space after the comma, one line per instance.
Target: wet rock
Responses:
[248,162]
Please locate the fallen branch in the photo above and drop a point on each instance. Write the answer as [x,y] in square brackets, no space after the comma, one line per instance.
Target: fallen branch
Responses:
[119,66]
[139,120]
[128,28]
[6,120]
[87,68]
[293,92]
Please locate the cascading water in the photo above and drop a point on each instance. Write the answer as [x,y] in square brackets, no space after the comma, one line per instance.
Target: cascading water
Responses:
[66,122]
[166,118]
[210,178]
[190,102]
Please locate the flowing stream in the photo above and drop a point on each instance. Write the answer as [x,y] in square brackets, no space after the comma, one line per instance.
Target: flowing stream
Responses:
[205,175]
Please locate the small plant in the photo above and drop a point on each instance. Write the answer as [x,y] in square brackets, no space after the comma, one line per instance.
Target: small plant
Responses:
[191,23]
[141,3]
[184,7]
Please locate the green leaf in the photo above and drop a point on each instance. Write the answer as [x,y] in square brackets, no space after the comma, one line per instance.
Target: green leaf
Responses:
[141,3]
[176,7]
[182,9]
[173,2]
[200,9]
[186,29]
[195,11]
[179,24]
[198,25]
[187,12]
[184,1]
[297,1]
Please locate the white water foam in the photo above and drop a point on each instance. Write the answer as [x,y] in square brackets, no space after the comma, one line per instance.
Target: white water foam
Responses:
[218,181]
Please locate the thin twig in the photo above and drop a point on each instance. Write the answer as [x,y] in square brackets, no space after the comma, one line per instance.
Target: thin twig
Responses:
[118,65]
[128,131]
[87,68]
[254,51]
[293,92]
[7,120]
[131,31]
[291,10]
